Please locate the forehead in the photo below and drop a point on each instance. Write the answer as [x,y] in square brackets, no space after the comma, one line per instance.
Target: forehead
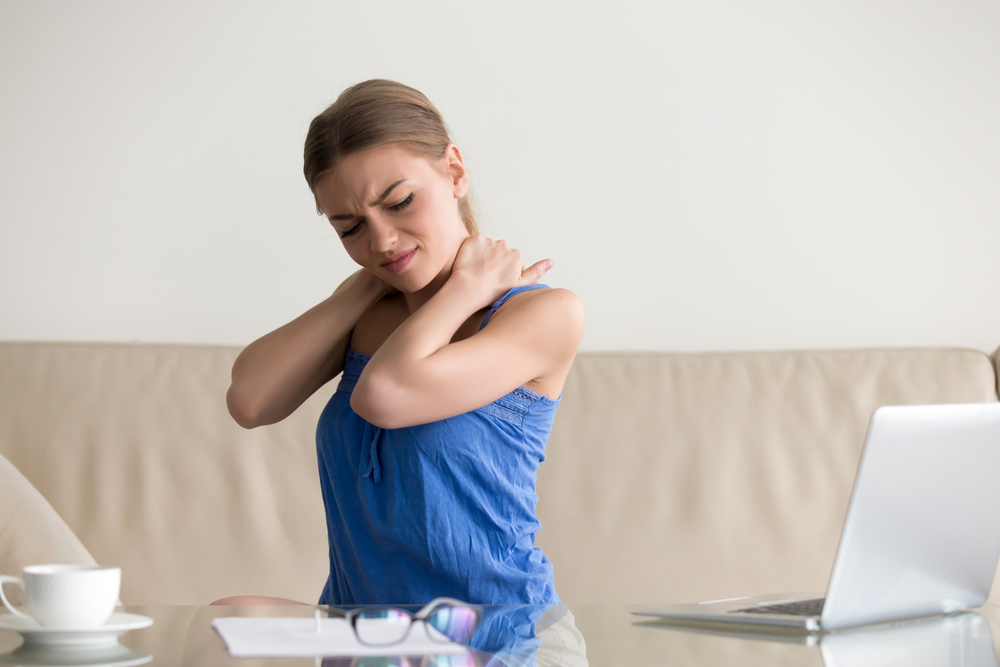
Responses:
[361,177]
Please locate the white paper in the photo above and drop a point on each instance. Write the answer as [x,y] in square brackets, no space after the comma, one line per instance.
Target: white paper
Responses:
[297,637]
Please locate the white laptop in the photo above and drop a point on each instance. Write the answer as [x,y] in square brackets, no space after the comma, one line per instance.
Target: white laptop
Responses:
[922,534]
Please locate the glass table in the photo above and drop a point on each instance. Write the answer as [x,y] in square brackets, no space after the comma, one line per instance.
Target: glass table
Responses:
[571,635]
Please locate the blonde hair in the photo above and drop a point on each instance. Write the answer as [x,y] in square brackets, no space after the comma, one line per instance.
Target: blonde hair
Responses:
[375,113]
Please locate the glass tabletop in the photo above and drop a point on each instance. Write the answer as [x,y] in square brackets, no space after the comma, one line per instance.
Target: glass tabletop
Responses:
[571,635]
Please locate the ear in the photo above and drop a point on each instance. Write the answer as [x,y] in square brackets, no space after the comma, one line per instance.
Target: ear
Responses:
[455,166]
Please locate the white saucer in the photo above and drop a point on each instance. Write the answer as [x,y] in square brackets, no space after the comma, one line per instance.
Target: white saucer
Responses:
[32,655]
[105,635]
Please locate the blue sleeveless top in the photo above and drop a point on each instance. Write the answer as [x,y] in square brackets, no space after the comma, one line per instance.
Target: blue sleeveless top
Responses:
[439,509]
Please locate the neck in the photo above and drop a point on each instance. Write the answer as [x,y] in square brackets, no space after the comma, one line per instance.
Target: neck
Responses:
[416,299]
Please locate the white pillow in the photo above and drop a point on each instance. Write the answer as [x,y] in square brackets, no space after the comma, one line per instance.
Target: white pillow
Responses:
[31,531]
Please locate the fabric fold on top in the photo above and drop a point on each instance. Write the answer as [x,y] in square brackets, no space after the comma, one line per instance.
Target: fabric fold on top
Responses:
[369,464]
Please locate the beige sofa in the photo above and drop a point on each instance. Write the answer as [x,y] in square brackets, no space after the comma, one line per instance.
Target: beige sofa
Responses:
[669,477]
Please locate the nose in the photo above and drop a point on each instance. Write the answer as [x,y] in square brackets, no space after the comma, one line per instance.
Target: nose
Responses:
[383,234]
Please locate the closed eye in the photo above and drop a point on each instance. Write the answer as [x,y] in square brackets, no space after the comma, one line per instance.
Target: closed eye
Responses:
[394,209]
[352,230]
[401,205]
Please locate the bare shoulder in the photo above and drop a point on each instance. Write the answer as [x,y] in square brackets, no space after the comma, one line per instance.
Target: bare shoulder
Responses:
[556,311]
[377,323]
[551,322]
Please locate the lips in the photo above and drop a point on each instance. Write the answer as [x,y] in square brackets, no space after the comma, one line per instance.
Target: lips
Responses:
[398,262]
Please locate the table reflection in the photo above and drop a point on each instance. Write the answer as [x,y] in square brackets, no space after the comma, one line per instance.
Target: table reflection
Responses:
[508,636]
[958,640]
[540,636]
[530,635]
[116,655]
[962,640]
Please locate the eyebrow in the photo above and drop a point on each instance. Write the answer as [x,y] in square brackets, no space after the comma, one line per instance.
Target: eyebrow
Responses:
[381,198]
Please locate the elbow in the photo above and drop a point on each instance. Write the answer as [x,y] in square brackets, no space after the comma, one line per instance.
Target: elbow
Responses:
[370,400]
[242,409]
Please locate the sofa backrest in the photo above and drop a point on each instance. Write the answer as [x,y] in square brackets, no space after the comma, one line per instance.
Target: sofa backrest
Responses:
[687,477]
[669,477]
[134,448]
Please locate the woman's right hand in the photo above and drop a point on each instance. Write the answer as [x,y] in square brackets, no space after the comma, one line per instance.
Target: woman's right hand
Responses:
[367,286]
[494,267]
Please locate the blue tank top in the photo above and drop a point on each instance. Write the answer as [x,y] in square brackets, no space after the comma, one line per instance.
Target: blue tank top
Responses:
[439,509]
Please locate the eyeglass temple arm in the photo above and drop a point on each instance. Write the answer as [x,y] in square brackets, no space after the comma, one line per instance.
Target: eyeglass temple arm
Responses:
[437,602]
[331,611]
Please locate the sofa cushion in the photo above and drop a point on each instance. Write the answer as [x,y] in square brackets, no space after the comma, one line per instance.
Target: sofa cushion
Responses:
[31,532]
[685,477]
[669,477]
[134,447]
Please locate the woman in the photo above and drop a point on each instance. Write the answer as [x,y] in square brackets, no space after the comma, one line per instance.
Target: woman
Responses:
[453,361]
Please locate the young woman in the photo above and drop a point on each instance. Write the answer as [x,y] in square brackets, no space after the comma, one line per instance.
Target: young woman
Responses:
[453,360]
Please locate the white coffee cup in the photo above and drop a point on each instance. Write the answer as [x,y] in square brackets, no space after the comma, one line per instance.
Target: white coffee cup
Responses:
[66,596]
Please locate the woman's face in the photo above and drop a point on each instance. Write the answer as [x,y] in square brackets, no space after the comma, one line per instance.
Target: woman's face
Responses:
[397,213]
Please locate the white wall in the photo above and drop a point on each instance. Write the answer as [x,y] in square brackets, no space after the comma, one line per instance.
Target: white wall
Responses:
[750,174]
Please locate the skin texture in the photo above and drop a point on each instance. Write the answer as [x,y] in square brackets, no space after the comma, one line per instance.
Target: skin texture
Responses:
[419,322]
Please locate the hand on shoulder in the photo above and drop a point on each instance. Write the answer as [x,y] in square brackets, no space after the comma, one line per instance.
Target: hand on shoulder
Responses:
[493,267]
[420,374]
[366,286]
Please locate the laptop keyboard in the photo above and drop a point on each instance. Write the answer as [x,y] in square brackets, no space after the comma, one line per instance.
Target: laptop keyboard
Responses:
[801,608]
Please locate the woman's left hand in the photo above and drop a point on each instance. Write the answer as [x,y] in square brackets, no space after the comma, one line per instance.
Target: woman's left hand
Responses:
[494,268]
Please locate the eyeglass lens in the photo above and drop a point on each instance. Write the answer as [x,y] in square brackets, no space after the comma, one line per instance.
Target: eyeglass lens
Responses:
[382,626]
[388,626]
[452,624]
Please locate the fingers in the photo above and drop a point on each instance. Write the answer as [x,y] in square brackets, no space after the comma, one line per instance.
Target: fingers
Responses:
[534,273]
[497,264]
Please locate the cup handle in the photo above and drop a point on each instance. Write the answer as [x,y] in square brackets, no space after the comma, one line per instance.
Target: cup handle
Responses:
[7,579]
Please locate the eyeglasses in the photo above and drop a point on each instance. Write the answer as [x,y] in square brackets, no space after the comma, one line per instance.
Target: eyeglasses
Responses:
[445,620]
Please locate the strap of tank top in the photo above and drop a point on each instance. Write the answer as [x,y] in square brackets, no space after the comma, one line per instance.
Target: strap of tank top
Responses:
[512,292]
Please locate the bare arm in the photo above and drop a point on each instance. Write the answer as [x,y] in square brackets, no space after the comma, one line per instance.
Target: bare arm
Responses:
[418,375]
[276,373]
